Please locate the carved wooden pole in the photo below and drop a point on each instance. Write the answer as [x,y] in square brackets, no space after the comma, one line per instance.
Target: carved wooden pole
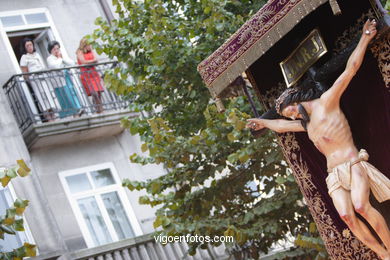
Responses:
[220,106]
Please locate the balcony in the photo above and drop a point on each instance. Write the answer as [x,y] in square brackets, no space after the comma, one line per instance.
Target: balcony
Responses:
[60,106]
[145,248]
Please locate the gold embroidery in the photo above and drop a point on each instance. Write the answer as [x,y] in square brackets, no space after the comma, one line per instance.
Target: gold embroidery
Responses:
[381,51]
[268,100]
[346,233]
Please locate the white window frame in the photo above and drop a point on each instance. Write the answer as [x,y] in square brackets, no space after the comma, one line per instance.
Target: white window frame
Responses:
[5,30]
[27,231]
[117,187]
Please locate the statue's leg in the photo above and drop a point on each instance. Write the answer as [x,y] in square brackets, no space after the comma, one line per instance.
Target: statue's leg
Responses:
[360,191]
[343,204]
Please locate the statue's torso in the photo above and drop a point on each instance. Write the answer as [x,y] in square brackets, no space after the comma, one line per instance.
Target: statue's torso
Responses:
[330,132]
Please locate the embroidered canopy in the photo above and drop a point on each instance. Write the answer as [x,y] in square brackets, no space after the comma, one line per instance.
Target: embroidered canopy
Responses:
[274,20]
[257,48]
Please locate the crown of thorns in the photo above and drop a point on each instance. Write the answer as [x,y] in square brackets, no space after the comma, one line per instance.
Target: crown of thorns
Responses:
[282,97]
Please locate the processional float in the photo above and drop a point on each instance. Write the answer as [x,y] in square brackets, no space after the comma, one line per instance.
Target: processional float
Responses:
[288,39]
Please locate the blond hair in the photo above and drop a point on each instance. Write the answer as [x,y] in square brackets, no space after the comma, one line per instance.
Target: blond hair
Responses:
[83,45]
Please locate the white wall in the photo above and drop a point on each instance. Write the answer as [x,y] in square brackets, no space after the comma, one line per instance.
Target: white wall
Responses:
[12,148]
[117,149]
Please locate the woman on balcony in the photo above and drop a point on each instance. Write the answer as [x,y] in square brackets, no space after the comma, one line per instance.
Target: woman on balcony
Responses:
[65,92]
[90,78]
[31,61]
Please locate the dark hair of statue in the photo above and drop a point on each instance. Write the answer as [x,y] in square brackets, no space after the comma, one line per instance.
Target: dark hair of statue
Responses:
[309,90]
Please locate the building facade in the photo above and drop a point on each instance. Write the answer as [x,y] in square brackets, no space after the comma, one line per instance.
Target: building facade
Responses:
[78,162]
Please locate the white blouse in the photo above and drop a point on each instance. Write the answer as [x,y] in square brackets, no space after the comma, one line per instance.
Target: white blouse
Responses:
[56,63]
[33,62]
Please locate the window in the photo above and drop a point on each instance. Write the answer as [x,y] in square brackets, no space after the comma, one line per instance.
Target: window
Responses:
[9,21]
[12,20]
[36,18]
[100,204]
[11,242]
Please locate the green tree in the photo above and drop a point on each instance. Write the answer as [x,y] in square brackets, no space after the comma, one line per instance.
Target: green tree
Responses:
[386,5]
[219,179]
[12,221]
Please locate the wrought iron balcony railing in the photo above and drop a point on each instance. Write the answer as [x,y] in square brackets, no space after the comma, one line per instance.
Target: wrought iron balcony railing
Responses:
[56,94]
[145,248]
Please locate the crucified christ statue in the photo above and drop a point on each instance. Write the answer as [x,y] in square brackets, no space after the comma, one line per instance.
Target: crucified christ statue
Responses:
[350,175]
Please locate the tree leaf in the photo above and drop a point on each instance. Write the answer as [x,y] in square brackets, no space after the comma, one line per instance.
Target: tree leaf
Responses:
[5,180]
[23,169]
[144,147]
[30,249]
[7,229]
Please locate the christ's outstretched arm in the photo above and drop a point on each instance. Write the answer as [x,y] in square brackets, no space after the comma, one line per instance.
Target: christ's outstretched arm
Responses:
[277,125]
[333,95]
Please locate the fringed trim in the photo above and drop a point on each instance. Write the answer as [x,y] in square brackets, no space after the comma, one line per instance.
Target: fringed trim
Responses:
[335,7]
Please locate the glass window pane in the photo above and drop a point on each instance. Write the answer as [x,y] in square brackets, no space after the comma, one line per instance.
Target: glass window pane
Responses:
[36,18]
[13,20]
[117,215]
[102,178]
[78,183]
[94,220]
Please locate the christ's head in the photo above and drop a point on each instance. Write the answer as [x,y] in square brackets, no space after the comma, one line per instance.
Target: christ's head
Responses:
[291,111]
